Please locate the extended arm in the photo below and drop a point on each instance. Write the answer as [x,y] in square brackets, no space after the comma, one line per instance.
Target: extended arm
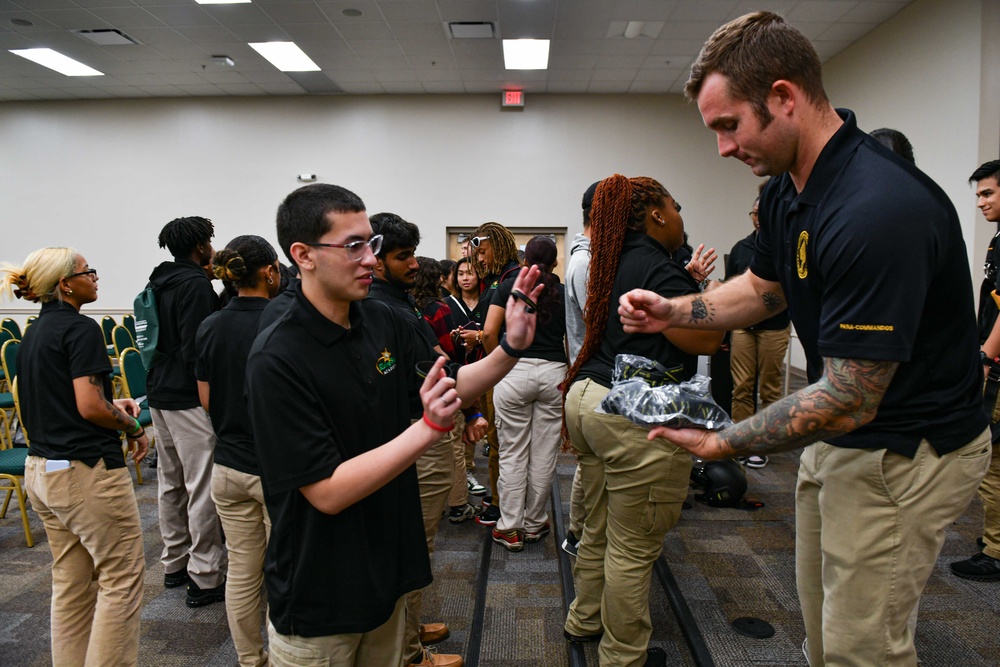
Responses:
[844,399]
[491,329]
[738,303]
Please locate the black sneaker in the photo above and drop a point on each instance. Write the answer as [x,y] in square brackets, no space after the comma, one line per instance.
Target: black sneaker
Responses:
[462,513]
[175,579]
[489,516]
[571,544]
[199,597]
[980,567]
[981,543]
[655,657]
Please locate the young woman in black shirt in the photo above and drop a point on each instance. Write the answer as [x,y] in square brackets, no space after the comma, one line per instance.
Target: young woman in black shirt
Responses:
[75,474]
[250,265]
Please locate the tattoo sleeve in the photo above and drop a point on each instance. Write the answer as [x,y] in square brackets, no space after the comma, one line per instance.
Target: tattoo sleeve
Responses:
[845,398]
[122,421]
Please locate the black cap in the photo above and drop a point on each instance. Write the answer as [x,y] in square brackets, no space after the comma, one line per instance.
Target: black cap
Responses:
[588,196]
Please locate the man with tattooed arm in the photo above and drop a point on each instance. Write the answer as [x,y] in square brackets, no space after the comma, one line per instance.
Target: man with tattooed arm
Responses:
[895,437]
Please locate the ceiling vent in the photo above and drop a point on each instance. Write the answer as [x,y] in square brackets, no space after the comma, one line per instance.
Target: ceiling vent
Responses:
[472,30]
[106,37]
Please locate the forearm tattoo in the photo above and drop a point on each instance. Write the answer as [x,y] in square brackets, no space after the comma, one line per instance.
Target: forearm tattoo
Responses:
[701,311]
[122,420]
[845,398]
[772,301]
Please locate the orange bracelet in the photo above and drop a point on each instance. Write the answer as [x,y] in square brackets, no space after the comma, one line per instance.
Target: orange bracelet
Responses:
[439,429]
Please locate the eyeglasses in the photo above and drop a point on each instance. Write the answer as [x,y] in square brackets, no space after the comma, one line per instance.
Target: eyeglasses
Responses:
[753,214]
[89,272]
[356,249]
[476,240]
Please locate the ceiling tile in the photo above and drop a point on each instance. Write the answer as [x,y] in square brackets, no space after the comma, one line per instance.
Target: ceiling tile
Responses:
[819,10]
[241,89]
[643,10]
[73,19]
[468,10]
[409,10]
[334,10]
[608,86]
[716,11]
[613,74]
[363,88]
[846,32]
[649,87]
[311,32]
[125,18]
[439,75]
[388,48]
[295,12]
[157,36]
[873,12]
[370,30]
[267,32]
[244,14]
[31,5]
[209,34]
[423,31]
[182,15]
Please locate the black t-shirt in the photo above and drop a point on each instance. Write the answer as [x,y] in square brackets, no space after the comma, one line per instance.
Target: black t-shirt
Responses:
[988,311]
[873,265]
[739,261]
[549,343]
[488,287]
[60,346]
[223,345]
[318,395]
[644,264]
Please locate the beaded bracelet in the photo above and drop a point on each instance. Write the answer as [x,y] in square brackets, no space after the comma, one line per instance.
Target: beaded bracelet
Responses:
[439,429]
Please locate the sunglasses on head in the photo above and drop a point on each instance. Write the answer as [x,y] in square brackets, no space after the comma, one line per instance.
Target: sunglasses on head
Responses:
[476,240]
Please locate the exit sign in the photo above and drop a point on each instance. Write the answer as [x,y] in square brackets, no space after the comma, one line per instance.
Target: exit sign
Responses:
[513,98]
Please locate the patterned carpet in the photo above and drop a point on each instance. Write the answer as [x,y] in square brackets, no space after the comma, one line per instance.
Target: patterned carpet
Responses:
[728,564]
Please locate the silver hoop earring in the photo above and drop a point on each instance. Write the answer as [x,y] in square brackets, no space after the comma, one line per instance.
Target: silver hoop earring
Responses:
[270,282]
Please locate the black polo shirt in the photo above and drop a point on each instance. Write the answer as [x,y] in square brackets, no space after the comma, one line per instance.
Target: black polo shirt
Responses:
[222,347]
[739,261]
[488,287]
[644,264]
[873,265]
[406,307]
[549,342]
[318,395]
[60,346]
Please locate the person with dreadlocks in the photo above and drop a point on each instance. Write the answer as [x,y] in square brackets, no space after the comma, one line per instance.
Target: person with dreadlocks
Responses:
[633,488]
[529,406]
[496,259]
[248,264]
[185,441]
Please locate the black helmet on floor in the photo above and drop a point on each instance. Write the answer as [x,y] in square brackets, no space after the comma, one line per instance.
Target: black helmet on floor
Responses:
[724,483]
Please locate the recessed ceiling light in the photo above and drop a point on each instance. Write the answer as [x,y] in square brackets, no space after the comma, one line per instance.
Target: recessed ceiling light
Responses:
[526,53]
[353,13]
[286,56]
[57,61]
[24,23]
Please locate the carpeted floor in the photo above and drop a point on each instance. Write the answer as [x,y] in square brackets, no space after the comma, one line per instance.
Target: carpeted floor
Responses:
[728,563]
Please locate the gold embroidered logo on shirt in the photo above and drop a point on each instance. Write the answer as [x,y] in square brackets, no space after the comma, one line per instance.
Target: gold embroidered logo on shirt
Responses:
[386,362]
[867,327]
[800,255]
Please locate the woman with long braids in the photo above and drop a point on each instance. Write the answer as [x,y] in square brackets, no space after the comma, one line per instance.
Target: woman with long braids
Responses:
[633,488]
[528,405]
[250,265]
[495,251]
[75,475]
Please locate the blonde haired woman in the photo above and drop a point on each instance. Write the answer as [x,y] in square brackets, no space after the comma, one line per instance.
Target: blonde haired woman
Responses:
[75,474]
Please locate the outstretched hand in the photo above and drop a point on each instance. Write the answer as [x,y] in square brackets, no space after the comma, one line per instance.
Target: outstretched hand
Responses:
[703,444]
[702,263]
[518,316]
[438,396]
[643,311]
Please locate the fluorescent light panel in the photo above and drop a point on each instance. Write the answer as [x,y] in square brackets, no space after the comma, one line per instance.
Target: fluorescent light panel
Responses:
[526,53]
[286,56]
[57,61]
[222,2]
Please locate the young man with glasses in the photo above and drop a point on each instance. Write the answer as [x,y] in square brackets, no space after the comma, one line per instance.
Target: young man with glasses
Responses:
[329,386]
[185,441]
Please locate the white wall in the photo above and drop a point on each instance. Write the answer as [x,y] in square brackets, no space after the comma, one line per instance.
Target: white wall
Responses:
[105,176]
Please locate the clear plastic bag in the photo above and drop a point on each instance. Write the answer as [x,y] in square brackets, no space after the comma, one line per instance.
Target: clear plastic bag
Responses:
[647,393]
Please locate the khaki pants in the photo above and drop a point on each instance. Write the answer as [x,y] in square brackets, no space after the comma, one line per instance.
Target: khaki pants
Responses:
[869,526]
[459,494]
[189,523]
[240,501]
[381,646]
[493,460]
[756,355]
[576,508]
[434,474]
[92,522]
[528,405]
[989,491]
[632,494]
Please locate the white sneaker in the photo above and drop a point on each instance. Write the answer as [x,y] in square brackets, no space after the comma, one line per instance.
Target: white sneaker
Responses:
[475,488]
[756,461]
